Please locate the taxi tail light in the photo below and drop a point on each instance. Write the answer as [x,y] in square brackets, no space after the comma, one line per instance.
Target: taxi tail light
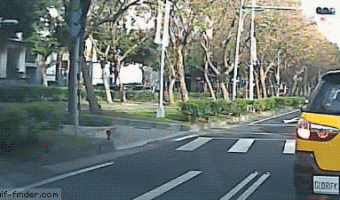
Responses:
[315,132]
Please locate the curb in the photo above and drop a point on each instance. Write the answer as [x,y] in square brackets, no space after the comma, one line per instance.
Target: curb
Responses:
[146,124]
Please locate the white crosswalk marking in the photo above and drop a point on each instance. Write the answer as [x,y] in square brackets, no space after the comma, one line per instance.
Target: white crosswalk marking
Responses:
[184,138]
[168,186]
[289,147]
[241,146]
[194,144]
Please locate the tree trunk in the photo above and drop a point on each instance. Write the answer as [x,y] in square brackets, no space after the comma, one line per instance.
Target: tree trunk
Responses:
[305,79]
[211,89]
[272,88]
[91,97]
[171,91]
[122,93]
[44,76]
[106,84]
[43,68]
[224,91]
[294,85]
[258,87]
[181,74]
[263,82]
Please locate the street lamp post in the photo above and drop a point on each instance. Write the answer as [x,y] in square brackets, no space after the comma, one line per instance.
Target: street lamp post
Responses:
[164,42]
[239,31]
[253,52]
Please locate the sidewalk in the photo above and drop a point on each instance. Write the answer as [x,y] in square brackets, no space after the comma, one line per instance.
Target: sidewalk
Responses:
[126,136]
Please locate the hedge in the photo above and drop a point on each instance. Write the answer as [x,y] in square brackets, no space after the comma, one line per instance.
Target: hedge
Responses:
[31,92]
[142,96]
[201,108]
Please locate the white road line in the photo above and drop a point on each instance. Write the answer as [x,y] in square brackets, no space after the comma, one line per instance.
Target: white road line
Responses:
[287,121]
[168,186]
[289,147]
[283,125]
[184,138]
[57,178]
[253,187]
[264,139]
[194,144]
[241,146]
[253,133]
[238,187]
[274,117]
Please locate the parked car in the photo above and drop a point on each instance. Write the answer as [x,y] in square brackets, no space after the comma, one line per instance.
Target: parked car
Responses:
[317,161]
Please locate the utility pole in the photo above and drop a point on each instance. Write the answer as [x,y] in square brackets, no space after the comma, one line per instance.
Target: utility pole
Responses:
[237,50]
[278,73]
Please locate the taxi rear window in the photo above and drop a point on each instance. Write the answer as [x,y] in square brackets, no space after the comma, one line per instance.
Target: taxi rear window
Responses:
[325,99]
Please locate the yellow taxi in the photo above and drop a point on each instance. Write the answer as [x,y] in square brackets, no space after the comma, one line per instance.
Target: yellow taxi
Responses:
[317,161]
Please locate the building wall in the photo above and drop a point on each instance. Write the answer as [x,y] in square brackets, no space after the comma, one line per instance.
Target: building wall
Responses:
[12,61]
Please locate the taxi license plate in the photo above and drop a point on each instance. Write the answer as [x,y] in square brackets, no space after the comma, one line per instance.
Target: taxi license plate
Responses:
[326,185]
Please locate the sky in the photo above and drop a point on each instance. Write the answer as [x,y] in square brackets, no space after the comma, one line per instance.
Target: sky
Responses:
[329,25]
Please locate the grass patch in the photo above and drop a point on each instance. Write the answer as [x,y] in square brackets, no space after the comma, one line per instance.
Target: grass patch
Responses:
[142,111]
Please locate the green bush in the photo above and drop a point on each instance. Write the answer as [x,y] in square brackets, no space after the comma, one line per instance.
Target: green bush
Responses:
[270,103]
[20,123]
[30,92]
[288,101]
[140,96]
[220,106]
[200,108]
[259,105]
[264,104]
[100,93]
[279,101]
[298,101]
[190,108]
[82,93]
[204,107]
[10,133]
[240,106]
[197,108]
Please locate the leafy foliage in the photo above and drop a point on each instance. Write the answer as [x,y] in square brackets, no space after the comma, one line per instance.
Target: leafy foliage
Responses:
[20,124]
[23,92]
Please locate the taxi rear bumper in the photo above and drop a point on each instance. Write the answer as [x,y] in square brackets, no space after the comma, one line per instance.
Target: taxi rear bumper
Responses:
[305,164]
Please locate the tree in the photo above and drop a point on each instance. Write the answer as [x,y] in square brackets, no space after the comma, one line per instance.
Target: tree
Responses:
[102,12]
[286,37]
[181,30]
[216,36]
[48,38]
[115,43]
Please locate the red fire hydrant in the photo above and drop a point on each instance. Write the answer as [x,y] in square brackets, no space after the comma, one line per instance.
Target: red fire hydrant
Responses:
[108,133]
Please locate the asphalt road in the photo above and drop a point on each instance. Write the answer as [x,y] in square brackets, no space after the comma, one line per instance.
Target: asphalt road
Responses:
[250,161]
